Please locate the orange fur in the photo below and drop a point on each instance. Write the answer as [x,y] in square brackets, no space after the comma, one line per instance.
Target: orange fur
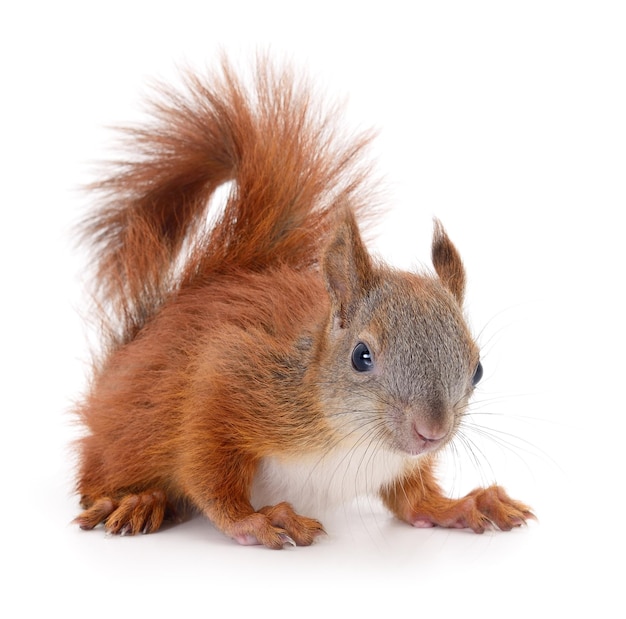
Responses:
[231,345]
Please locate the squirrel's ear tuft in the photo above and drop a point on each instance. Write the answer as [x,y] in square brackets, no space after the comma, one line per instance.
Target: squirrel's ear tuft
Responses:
[448,263]
[347,270]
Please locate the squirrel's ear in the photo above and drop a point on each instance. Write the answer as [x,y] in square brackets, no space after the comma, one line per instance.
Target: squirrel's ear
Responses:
[347,270]
[447,263]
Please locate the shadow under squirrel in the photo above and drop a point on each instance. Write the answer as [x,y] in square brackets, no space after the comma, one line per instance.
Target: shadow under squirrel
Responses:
[264,362]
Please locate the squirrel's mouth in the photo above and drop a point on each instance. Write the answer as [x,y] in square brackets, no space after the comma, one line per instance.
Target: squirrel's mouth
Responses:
[420,447]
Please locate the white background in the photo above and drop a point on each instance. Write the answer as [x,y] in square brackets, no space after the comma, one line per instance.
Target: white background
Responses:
[507,120]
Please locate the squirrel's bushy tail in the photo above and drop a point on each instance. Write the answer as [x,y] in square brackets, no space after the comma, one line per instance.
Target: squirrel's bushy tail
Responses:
[289,168]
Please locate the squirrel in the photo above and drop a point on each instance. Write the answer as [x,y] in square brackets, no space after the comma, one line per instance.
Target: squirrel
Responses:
[257,360]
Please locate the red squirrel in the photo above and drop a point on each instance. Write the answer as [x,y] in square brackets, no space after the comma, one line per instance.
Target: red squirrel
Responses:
[257,360]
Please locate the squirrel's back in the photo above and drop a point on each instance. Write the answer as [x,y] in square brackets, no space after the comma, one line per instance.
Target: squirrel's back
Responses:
[289,169]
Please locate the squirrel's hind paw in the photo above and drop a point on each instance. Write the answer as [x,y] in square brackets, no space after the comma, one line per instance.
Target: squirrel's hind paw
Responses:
[95,514]
[134,513]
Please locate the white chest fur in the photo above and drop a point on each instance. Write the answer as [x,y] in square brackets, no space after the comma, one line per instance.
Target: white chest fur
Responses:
[316,483]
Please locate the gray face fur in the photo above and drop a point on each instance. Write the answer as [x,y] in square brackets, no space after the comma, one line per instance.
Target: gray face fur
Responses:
[410,389]
[423,360]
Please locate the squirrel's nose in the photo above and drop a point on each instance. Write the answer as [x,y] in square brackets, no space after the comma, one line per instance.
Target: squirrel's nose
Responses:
[429,435]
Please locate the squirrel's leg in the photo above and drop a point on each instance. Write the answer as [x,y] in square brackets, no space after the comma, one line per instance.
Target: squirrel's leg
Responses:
[225,502]
[418,500]
[130,514]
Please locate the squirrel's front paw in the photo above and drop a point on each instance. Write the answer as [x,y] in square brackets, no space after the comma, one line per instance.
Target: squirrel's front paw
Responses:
[276,527]
[482,509]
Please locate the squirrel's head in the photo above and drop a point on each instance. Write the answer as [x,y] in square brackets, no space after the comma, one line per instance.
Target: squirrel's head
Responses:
[399,363]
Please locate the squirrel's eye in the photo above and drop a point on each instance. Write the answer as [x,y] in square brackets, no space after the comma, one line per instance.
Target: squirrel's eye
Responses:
[362,358]
[478,374]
